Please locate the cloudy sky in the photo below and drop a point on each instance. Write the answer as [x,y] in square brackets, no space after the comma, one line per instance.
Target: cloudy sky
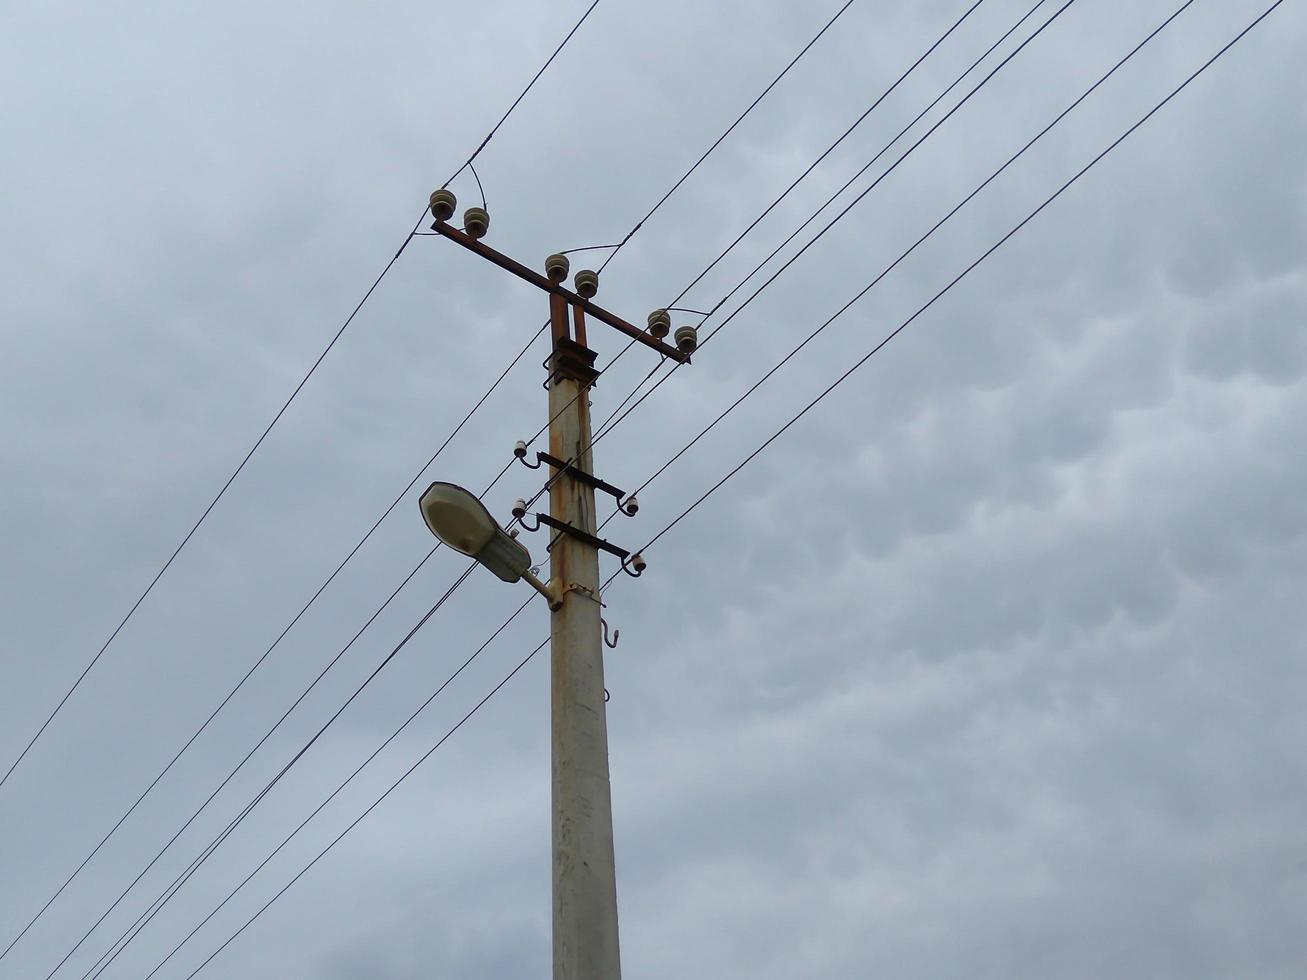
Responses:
[991,666]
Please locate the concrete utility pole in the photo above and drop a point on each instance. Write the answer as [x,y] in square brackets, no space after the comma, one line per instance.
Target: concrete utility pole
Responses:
[585,878]
[584,874]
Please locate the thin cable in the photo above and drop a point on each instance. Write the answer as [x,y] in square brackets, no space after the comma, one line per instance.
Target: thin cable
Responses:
[731,128]
[321,806]
[684,177]
[815,401]
[269,650]
[294,759]
[286,714]
[213,503]
[912,248]
[831,149]
[609,422]
[480,190]
[232,774]
[522,95]
[393,786]
[616,249]
[962,275]
[589,248]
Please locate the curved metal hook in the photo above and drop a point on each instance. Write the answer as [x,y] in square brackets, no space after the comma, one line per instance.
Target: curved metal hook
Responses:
[536,527]
[519,451]
[611,644]
[607,696]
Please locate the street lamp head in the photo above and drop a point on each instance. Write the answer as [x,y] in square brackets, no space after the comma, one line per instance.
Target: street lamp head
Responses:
[461,521]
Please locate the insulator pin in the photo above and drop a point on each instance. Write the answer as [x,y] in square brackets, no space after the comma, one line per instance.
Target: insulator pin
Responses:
[587,283]
[660,324]
[443,203]
[476,222]
[687,339]
[557,267]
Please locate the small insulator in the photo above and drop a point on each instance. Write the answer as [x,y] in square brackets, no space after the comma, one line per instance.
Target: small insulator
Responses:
[638,563]
[587,283]
[519,449]
[630,506]
[687,339]
[660,324]
[519,508]
[476,222]
[443,203]
[556,267]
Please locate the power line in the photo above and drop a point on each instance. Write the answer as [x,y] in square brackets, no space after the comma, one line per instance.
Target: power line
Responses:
[912,248]
[616,248]
[172,890]
[276,418]
[207,510]
[475,708]
[966,271]
[828,151]
[521,95]
[608,423]
[321,806]
[236,769]
[223,490]
[788,190]
[963,274]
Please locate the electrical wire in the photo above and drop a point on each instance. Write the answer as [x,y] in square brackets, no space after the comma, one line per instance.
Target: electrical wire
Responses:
[662,200]
[195,865]
[960,276]
[966,271]
[321,806]
[616,248]
[207,510]
[912,248]
[393,786]
[229,482]
[163,898]
[521,95]
[172,889]
[609,422]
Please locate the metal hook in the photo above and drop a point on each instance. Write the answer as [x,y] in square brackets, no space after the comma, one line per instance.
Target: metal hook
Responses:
[611,644]
[522,521]
[519,451]
[607,696]
[636,565]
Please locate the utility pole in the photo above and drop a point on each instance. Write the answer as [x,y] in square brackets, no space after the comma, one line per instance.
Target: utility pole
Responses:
[585,880]
[585,941]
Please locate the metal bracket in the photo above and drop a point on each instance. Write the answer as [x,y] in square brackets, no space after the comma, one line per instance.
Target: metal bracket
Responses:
[582,536]
[572,361]
[589,479]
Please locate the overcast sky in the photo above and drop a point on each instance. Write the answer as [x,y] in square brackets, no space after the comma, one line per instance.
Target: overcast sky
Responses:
[991,666]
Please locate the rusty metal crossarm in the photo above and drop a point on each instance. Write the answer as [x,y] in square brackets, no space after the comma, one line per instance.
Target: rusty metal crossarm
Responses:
[540,282]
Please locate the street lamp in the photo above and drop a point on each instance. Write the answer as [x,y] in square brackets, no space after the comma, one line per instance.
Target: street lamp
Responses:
[461,521]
